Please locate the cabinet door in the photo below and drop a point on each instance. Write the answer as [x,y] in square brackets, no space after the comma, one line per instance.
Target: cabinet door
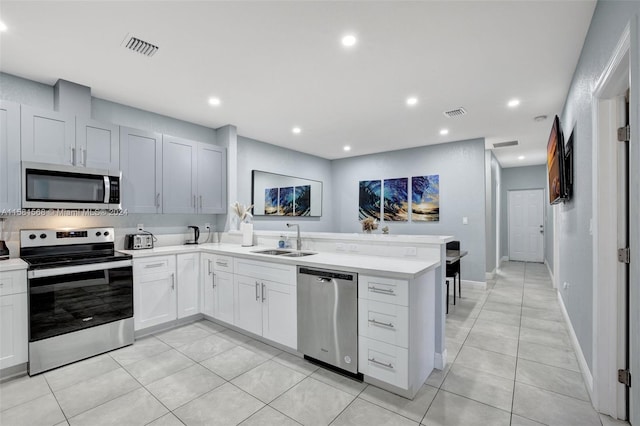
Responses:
[188,288]
[248,304]
[279,313]
[9,155]
[97,145]
[206,290]
[179,175]
[13,330]
[141,163]
[223,296]
[154,299]
[212,179]
[48,136]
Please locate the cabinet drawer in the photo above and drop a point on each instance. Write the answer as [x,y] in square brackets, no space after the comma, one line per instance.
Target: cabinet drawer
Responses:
[285,274]
[13,282]
[385,290]
[154,265]
[223,263]
[384,322]
[384,362]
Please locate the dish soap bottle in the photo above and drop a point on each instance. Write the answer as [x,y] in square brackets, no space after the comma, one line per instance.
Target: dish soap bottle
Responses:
[281,242]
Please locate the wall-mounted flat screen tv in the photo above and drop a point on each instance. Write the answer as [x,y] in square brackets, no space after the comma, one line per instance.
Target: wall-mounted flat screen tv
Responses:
[555,164]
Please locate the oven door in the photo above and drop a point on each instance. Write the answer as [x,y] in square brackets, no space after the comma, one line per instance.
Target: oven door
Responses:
[64,187]
[67,299]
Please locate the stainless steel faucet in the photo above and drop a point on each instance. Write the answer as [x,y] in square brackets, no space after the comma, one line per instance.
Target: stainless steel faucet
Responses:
[298,239]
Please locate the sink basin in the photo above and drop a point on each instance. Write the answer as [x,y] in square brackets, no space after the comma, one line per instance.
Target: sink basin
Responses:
[298,254]
[273,252]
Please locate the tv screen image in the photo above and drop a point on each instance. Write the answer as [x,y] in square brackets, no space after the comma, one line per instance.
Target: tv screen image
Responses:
[555,164]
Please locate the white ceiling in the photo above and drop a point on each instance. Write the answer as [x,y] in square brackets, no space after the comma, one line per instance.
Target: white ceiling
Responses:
[276,65]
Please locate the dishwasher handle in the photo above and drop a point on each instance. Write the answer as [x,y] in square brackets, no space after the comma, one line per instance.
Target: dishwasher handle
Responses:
[330,275]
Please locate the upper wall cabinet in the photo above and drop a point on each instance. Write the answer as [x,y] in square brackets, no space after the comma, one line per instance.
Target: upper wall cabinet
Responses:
[97,144]
[48,136]
[141,163]
[9,155]
[194,177]
[59,138]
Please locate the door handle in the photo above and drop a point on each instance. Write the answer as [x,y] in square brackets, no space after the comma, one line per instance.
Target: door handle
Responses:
[384,324]
[257,289]
[375,361]
[263,298]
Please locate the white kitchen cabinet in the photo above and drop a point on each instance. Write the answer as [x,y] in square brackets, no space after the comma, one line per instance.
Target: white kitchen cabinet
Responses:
[9,155]
[266,300]
[47,136]
[13,318]
[154,283]
[97,145]
[195,177]
[212,179]
[217,287]
[141,164]
[188,291]
[179,166]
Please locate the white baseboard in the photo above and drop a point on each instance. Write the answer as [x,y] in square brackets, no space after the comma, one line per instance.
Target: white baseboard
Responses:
[440,360]
[553,280]
[504,259]
[474,284]
[582,362]
[490,275]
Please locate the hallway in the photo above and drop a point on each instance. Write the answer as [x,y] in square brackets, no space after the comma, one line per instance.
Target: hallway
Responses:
[509,351]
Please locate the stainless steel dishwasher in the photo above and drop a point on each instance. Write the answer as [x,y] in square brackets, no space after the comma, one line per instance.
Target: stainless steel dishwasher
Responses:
[328,317]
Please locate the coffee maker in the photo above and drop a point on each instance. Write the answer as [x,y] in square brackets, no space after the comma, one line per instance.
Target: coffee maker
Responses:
[196,235]
[4,250]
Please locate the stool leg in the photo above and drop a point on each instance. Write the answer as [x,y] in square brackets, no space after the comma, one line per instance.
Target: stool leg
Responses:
[447,282]
[454,290]
[459,285]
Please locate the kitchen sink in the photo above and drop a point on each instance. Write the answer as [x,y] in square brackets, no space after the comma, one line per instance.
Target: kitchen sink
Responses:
[273,252]
[298,254]
[285,253]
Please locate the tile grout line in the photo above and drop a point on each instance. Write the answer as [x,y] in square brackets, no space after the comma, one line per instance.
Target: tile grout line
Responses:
[515,372]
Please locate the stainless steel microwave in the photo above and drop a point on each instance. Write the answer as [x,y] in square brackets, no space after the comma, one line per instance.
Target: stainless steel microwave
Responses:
[53,186]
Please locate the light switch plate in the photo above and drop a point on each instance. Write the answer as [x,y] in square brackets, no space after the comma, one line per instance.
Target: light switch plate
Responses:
[465,220]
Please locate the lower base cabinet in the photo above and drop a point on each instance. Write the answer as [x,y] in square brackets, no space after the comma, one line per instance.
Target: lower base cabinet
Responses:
[13,318]
[217,289]
[154,296]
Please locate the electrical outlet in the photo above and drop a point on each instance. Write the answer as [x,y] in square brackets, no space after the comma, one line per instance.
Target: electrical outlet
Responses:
[140,227]
[465,220]
[353,247]
[207,226]
[566,285]
[410,251]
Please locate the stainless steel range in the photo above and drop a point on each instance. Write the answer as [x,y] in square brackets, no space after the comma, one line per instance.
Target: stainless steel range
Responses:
[80,295]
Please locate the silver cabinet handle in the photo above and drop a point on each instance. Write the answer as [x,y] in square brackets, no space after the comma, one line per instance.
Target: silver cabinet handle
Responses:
[201,202]
[381,290]
[84,156]
[389,365]
[158,200]
[73,156]
[263,297]
[194,201]
[214,282]
[154,265]
[225,264]
[173,281]
[384,324]
[209,260]
[257,289]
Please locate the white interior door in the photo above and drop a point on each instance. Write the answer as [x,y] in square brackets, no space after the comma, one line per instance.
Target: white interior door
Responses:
[526,225]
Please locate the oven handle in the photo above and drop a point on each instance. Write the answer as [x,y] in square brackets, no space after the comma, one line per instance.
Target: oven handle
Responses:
[65,270]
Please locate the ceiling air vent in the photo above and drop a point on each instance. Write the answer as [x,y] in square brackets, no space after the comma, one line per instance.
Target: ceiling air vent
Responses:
[505,144]
[141,46]
[458,112]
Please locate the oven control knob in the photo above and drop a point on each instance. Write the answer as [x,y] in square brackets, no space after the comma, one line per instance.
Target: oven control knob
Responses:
[98,233]
[106,233]
[32,236]
[43,236]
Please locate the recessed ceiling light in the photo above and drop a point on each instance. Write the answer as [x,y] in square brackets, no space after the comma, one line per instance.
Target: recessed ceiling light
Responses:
[411,101]
[444,132]
[296,130]
[513,103]
[347,148]
[349,40]
[521,157]
[3,27]
[214,101]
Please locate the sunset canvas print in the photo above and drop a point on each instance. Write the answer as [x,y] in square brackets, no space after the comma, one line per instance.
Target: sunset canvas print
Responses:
[425,198]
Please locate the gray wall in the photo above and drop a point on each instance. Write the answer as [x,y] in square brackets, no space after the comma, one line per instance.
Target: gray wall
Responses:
[255,155]
[462,172]
[548,227]
[576,244]
[514,178]
[492,196]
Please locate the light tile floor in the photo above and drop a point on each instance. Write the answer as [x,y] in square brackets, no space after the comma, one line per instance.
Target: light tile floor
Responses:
[511,363]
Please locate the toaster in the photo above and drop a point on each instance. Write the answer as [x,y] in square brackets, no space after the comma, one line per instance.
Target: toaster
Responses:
[138,241]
